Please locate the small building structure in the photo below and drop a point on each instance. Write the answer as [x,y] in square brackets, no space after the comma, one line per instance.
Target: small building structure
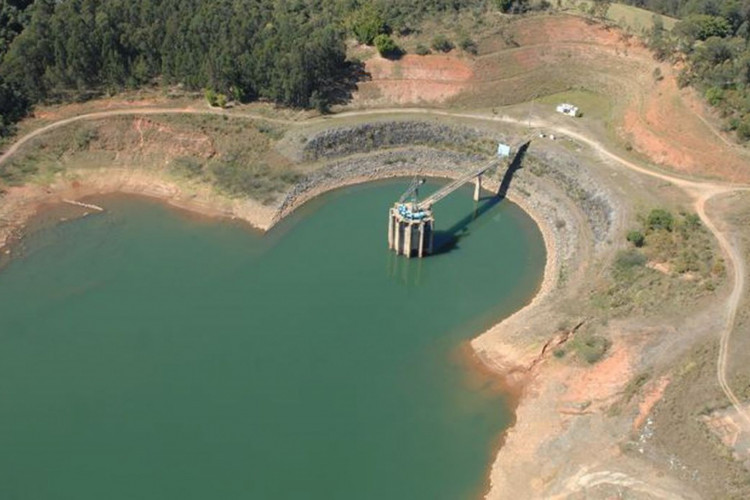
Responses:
[567,109]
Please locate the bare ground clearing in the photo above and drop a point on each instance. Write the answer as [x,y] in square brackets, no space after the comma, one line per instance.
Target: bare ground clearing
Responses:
[532,57]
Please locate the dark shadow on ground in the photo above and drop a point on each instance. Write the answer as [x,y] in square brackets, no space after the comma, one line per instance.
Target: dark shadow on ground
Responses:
[514,166]
[447,240]
[342,89]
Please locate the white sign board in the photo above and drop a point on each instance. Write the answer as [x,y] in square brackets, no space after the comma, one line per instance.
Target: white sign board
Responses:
[503,150]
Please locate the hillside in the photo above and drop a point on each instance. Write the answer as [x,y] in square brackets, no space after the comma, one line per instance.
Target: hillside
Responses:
[630,365]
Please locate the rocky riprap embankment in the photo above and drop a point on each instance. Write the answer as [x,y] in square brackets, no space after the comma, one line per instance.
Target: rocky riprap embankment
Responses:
[380,165]
[575,180]
[345,141]
[559,191]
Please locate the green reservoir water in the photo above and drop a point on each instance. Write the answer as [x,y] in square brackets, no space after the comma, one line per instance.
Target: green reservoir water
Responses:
[145,354]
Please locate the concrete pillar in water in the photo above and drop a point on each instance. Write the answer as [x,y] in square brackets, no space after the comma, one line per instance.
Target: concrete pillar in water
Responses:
[407,239]
[431,239]
[420,248]
[390,229]
[398,227]
[477,187]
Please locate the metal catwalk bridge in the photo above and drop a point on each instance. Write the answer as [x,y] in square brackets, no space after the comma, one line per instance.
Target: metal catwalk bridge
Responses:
[411,223]
[444,191]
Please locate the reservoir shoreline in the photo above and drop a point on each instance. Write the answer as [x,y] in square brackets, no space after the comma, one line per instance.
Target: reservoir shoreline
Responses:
[487,355]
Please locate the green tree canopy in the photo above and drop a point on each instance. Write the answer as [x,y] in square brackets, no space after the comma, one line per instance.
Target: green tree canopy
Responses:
[659,218]
[244,48]
[366,23]
[701,27]
[13,106]
[386,46]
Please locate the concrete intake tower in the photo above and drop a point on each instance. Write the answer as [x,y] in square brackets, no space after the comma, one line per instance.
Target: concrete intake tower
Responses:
[411,224]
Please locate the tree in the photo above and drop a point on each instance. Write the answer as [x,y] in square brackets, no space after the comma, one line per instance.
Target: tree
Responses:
[701,27]
[636,238]
[659,40]
[386,46]
[599,8]
[366,23]
[442,44]
[422,50]
[714,96]
[513,6]
[743,129]
[14,105]
[31,55]
[659,218]
[14,16]
[319,102]
[468,45]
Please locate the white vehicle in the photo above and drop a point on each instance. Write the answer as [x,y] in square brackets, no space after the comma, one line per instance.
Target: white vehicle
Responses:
[567,109]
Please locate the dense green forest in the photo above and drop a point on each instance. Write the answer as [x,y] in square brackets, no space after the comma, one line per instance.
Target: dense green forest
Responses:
[14,103]
[291,52]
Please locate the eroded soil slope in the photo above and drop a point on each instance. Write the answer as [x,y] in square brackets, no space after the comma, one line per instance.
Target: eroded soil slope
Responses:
[529,58]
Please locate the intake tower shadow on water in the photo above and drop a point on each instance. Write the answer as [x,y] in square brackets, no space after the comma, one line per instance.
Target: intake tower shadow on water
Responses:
[448,240]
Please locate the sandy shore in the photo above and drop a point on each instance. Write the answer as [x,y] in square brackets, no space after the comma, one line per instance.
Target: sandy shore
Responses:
[19,204]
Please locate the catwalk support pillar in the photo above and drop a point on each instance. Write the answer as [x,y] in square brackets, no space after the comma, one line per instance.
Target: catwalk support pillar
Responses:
[477,187]
[391,227]
[408,230]
[420,248]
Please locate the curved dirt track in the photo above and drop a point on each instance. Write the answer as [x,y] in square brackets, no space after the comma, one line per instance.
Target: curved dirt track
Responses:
[700,191]
[121,112]
[733,303]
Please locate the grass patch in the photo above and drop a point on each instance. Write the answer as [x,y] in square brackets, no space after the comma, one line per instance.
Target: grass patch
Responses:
[84,136]
[634,386]
[628,262]
[634,19]
[256,180]
[15,173]
[591,104]
[637,19]
[589,347]
[234,154]
[671,263]
[187,166]
[681,241]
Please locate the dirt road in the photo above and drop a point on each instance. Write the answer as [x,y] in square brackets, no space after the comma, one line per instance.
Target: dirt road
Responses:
[123,112]
[701,192]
